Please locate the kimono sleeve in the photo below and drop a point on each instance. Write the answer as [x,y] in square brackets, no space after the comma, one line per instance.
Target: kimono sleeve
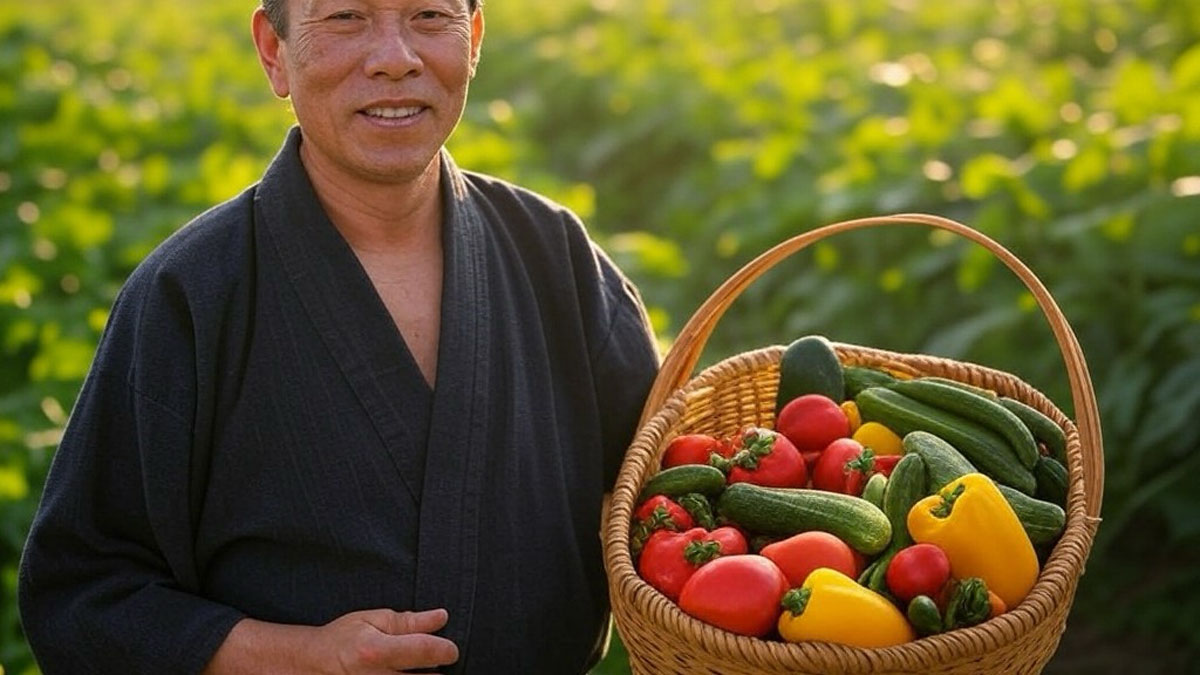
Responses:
[107,580]
[624,368]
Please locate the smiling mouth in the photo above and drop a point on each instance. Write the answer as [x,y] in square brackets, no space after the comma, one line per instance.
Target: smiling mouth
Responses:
[393,113]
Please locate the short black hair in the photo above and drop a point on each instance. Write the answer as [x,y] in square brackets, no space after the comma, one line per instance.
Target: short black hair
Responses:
[277,13]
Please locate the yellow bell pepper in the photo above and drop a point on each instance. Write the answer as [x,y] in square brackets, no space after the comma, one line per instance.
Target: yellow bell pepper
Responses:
[879,438]
[973,523]
[832,607]
[852,415]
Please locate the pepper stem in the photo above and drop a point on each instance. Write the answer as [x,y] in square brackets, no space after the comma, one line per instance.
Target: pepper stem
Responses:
[641,534]
[660,518]
[699,509]
[699,552]
[943,510]
[796,600]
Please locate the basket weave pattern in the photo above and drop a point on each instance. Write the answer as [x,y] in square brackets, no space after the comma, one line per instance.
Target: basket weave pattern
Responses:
[741,390]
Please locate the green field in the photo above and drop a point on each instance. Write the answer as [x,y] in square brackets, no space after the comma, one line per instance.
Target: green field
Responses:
[690,136]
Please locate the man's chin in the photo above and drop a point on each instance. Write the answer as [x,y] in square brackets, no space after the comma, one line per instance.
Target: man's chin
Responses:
[397,170]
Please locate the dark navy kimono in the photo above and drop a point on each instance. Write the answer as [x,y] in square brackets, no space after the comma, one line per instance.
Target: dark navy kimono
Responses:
[254,439]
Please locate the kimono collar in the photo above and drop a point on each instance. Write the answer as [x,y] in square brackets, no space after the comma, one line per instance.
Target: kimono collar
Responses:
[342,305]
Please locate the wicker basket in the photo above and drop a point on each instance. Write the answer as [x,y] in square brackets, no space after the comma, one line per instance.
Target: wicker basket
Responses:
[741,390]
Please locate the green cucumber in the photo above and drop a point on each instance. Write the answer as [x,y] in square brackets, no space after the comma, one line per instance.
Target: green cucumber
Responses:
[924,616]
[788,511]
[1043,521]
[858,378]
[1043,428]
[906,486]
[865,575]
[680,480]
[983,447]
[942,462]
[977,408]
[809,366]
[1051,481]
[986,393]
[874,489]
[877,579]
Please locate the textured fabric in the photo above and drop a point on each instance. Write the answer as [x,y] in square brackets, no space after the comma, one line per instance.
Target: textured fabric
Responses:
[254,439]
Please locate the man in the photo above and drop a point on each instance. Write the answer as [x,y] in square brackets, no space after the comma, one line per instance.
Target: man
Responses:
[359,418]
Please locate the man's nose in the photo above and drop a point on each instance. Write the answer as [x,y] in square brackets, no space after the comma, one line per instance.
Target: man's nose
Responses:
[392,54]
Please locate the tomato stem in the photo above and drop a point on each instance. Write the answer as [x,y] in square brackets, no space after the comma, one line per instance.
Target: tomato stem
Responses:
[756,445]
[864,462]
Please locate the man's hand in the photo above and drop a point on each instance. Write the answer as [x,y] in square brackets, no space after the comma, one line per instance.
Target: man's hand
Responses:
[380,640]
[369,641]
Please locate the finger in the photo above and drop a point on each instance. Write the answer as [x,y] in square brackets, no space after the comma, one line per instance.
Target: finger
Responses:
[404,623]
[420,650]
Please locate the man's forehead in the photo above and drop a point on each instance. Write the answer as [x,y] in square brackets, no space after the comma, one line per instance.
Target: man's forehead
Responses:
[310,6]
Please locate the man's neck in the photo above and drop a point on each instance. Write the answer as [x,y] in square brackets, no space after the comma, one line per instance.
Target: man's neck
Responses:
[380,217]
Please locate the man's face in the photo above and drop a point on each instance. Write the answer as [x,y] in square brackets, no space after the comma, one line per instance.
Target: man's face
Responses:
[377,85]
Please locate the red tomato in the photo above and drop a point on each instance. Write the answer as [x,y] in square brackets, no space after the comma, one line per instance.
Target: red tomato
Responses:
[812,421]
[670,558]
[763,457]
[834,472]
[920,569]
[846,465]
[692,449]
[739,593]
[802,553]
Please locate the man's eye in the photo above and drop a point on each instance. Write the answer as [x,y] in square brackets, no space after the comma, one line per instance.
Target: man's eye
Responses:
[430,14]
[343,16]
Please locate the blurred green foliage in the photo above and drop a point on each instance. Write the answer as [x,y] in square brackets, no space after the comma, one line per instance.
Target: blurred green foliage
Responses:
[692,135]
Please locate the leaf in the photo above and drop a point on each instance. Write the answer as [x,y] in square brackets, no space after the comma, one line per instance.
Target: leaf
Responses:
[1088,168]
[654,255]
[954,342]
[13,484]
[975,269]
[1136,91]
[1159,432]
[62,359]
[1185,72]
[1181,508]
[983,175]
[1124,388]
[1175,402]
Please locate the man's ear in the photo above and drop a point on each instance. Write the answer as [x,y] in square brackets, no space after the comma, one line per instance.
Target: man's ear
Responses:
[271,52]
[476,37]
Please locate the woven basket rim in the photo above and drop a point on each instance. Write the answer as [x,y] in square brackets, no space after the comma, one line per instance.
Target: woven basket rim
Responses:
[1055,583]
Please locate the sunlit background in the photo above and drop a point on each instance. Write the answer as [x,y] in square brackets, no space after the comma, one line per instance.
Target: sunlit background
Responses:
[691,135]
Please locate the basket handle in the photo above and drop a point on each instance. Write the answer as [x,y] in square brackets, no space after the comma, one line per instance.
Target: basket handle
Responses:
[685,353]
